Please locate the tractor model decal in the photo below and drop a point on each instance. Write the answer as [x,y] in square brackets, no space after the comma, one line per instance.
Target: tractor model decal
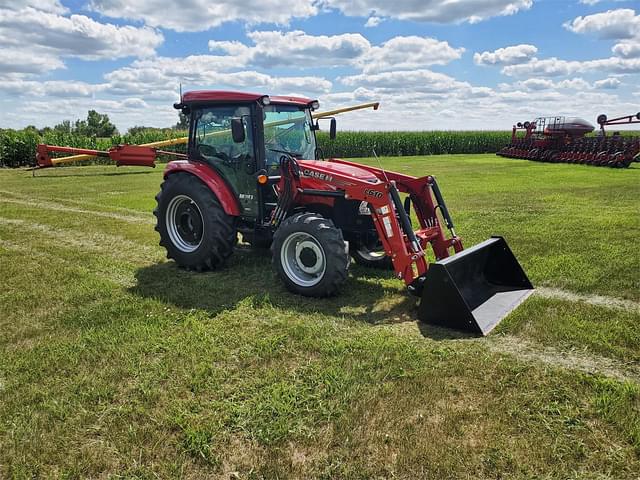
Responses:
[373,193]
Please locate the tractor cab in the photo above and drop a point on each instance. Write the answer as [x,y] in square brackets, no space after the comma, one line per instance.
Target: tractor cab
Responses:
[243,135]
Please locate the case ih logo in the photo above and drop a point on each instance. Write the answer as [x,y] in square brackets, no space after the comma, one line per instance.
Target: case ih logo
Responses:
[313,174]
[373,193]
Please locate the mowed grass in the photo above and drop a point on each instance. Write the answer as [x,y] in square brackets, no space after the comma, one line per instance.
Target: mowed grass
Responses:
[113,362]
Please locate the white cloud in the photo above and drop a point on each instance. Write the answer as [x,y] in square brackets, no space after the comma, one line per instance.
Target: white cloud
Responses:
[554,67]
[426,100]
[54,88]
[550,67]
[409,53]
[595,2]
[481,108]
[52,6]
[373,21]
[273,49]
[18,62]
[572,84]
[630,49]
[621,24]
[612,24]
[77,35]
[124,113]
[512,55]
[610,83]
[539,84]
[36,41]
[424,81]
[200,15]
[431,10]
[165,74]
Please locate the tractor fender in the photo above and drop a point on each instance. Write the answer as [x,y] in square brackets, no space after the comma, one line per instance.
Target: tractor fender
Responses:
[211,178]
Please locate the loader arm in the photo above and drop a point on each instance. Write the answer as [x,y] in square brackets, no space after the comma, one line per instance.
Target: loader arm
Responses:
[422,192]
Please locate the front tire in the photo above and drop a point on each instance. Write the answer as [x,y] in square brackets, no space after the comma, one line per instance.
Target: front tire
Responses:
[310,255]
[193,226]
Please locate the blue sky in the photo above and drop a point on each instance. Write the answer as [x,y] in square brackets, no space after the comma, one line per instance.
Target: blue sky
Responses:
[456,64]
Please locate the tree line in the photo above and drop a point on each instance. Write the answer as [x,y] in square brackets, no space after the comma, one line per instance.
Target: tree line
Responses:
[99,125]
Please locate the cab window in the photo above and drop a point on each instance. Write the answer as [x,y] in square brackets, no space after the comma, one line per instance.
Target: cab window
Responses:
[213,138]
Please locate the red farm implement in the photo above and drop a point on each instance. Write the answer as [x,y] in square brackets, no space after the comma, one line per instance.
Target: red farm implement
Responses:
[565,140]
[132,155]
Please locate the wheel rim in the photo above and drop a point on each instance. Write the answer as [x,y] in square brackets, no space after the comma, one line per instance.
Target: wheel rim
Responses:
[184,223]
[371,255]
[303,259]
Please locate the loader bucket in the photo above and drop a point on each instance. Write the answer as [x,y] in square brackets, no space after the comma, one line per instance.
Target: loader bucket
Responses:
[475,289]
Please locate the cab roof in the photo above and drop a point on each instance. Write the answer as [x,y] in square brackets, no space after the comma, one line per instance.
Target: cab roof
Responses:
[231,96]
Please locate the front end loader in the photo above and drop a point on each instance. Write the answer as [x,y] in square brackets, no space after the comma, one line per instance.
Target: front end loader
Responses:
[466,289]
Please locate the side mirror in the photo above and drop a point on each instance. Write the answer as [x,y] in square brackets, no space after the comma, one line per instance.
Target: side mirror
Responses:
[332,129]
[237,130]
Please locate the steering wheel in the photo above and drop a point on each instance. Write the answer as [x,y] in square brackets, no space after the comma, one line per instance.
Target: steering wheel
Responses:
[211,151]
[207,150]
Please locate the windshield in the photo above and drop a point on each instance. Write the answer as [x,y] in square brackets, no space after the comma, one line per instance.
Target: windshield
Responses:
[288,127]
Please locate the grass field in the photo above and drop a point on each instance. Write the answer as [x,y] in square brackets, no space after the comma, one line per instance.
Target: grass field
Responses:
[115,363]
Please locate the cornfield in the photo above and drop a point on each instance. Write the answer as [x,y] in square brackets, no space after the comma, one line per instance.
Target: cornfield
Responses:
[17,147]
[362,144]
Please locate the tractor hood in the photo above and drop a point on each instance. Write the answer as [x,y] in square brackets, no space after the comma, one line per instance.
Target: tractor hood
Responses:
[329,167]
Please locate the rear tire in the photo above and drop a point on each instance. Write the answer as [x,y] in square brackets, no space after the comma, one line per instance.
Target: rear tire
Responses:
[310,255]
[193,226]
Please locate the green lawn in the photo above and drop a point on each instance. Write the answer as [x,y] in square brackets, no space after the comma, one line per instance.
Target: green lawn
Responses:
[115,363]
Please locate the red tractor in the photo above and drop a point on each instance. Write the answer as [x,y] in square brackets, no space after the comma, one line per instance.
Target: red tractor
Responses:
[253,167]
